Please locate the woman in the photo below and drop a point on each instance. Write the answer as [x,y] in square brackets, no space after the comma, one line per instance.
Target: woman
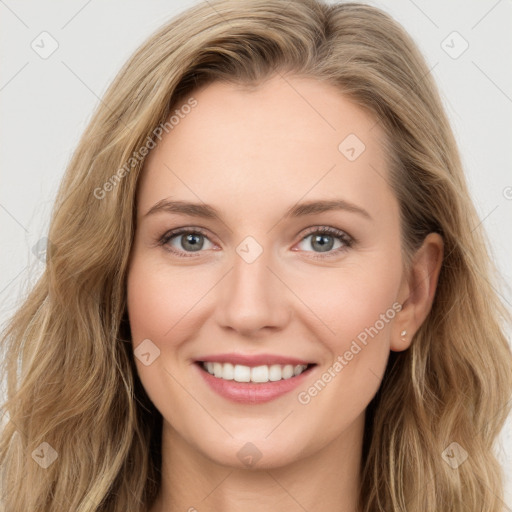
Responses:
[265,289]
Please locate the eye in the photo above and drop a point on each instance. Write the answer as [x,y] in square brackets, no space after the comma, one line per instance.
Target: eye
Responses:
[183,241]
[327,240]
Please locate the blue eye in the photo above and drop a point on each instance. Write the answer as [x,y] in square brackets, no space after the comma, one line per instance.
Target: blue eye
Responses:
[185,241]
[327,240]
[324,240]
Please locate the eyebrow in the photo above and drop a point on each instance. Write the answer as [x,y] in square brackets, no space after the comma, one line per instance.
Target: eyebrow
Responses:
[206,211]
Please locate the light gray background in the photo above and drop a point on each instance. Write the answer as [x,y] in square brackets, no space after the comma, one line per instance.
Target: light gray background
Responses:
[45,105]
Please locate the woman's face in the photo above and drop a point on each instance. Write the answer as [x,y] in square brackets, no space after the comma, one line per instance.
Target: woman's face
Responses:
[267,239]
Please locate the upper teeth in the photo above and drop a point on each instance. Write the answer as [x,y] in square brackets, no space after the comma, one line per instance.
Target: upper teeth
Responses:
[264,373]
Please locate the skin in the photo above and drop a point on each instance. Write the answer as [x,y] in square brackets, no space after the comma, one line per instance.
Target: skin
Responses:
[252,154]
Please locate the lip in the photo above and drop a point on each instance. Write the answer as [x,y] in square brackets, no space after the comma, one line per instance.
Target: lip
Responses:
[252,393]
[253,360]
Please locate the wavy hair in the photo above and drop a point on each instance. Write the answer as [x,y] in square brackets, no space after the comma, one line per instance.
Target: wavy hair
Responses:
[70,375]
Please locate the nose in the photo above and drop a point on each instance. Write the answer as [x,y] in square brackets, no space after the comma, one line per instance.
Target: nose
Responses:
[253,299]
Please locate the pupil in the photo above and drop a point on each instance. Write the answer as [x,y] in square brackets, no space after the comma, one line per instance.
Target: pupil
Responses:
[325,242]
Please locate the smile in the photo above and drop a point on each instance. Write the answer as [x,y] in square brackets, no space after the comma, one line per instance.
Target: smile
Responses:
[261,379]
[256,374]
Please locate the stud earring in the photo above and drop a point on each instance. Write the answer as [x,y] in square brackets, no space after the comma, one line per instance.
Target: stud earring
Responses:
[402,334]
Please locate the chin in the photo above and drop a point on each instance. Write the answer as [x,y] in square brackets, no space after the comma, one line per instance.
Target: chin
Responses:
[253,451]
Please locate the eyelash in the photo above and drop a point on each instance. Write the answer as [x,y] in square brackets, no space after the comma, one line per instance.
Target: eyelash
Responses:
[347,240]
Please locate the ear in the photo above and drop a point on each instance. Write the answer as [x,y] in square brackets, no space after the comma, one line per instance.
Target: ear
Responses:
[417,291]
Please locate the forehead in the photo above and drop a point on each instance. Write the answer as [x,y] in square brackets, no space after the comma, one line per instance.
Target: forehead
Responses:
[288,138]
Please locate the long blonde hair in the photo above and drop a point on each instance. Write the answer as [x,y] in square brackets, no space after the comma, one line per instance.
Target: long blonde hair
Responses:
[71,379]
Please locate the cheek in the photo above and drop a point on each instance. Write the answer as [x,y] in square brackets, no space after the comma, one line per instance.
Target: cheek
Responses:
[146,304]
[357,309]
[159,300]
[349,302]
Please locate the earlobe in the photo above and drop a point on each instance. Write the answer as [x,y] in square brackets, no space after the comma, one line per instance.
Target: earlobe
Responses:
[418,291]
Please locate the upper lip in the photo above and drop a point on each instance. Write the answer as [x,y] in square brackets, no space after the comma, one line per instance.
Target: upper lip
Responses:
[253,360]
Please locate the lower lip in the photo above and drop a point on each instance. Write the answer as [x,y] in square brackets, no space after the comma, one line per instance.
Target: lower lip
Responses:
[249,392]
